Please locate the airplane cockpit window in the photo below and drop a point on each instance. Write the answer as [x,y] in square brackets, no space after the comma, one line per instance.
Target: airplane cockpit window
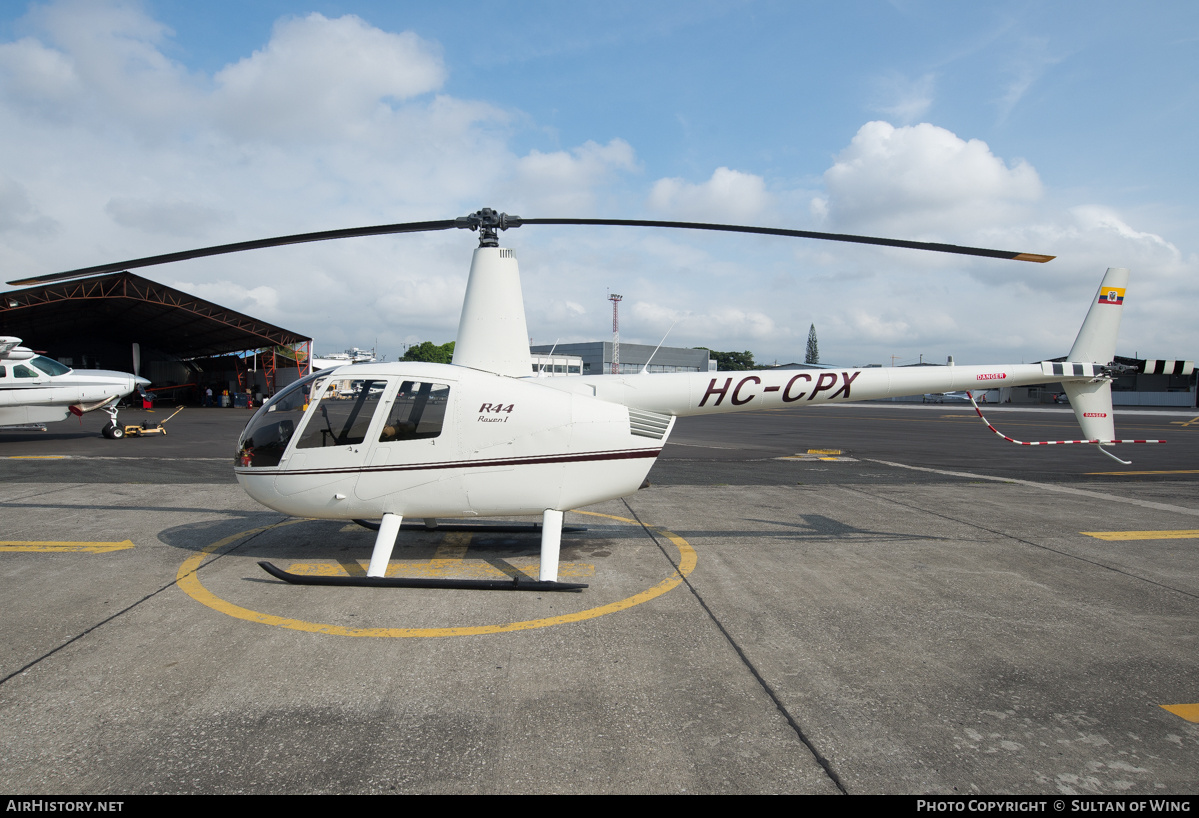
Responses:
[50,366]
[344,414]
[270,430]
[418,412]
[22,371]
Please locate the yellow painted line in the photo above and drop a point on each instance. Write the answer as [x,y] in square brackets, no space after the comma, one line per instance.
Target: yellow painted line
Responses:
[450,552]
[1190,422]
[36,457]
[64,547]
[188,580]
[1177,471]
[1142,535]
[824,451]
[1190,712]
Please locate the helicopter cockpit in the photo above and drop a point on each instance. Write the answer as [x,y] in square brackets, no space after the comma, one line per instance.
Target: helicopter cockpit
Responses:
[340,411]
[266,436]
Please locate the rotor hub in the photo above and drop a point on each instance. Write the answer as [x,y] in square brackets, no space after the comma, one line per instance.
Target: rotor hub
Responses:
[487,222]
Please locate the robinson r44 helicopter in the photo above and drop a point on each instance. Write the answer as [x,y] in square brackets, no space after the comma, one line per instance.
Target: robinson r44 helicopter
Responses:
[481,437]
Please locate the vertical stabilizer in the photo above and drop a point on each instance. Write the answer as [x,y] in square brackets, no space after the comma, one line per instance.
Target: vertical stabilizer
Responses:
[1096,341]
[1092,405]
[492,334]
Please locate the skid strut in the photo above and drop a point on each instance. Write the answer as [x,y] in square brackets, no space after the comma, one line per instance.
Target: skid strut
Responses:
[389,529]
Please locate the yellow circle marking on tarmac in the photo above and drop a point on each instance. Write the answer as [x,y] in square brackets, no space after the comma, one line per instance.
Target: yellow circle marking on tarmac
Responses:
[188,579]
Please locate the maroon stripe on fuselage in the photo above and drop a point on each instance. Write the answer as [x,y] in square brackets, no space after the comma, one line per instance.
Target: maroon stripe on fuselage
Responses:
[628,454]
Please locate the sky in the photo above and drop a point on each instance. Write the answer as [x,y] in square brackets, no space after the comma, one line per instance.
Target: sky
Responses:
[134,128]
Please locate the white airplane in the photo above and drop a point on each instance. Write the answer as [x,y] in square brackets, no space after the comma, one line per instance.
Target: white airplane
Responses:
[353,355]
[482,437]
[35,389]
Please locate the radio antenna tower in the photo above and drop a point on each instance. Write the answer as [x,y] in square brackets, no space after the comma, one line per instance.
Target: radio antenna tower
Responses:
[615,299]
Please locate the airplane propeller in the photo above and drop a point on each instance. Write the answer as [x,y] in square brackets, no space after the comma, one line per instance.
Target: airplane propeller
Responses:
[488,221]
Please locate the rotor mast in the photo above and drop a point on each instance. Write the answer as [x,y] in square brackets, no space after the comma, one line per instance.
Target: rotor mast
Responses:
[493,334]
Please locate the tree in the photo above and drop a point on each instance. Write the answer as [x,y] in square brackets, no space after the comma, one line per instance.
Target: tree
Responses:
[731,361]
[429,353]
[813,356]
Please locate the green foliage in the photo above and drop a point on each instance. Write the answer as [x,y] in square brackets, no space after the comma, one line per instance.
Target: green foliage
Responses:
[732,361]
[813,354]
[429,353]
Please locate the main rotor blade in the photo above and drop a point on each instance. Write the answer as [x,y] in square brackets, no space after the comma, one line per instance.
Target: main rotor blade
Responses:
[299,238]
[488,221]
[807,234]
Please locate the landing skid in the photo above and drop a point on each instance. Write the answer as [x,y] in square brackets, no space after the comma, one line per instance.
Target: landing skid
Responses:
[513,528]
[517,583]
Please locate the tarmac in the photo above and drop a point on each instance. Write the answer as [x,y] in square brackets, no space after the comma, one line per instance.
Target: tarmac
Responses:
[865,598]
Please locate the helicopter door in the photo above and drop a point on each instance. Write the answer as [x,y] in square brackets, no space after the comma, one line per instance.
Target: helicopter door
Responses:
[416,437]
[336,437]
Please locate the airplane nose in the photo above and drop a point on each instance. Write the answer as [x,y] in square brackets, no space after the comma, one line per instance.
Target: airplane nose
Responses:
[141,381]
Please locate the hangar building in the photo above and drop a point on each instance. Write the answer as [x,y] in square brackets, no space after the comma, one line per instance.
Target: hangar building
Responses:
[93,323]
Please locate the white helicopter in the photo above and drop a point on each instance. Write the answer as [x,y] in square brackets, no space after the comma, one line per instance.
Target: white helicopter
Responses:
[35,389]
[482,437]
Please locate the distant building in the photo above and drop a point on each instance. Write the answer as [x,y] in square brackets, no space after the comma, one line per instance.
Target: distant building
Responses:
[556,364]
[794,365]
[596,357]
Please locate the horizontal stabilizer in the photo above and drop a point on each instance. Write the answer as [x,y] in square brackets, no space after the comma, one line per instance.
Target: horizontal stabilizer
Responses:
[1155,367]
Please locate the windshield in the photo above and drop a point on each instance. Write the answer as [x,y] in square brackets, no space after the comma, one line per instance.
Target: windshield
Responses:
[50,366]
[267,434]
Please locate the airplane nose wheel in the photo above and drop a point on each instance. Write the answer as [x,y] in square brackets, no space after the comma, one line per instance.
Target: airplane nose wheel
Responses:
[112,430]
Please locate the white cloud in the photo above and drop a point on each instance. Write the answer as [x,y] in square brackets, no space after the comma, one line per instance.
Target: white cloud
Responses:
[922,179]
[259,301]
[18,213]
[332,123]
[37,75]
[719,325]
[169,217]
[101,59]
[924,182]
[1027,67]
[729,196]
[324,77]
[563,182]
[902,98]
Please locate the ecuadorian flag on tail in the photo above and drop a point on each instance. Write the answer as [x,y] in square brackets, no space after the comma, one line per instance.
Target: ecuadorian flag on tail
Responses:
[1111,295]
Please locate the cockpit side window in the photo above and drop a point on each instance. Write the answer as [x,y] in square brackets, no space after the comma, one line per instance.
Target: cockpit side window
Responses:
[22,371]
[344,414]
[418,412]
